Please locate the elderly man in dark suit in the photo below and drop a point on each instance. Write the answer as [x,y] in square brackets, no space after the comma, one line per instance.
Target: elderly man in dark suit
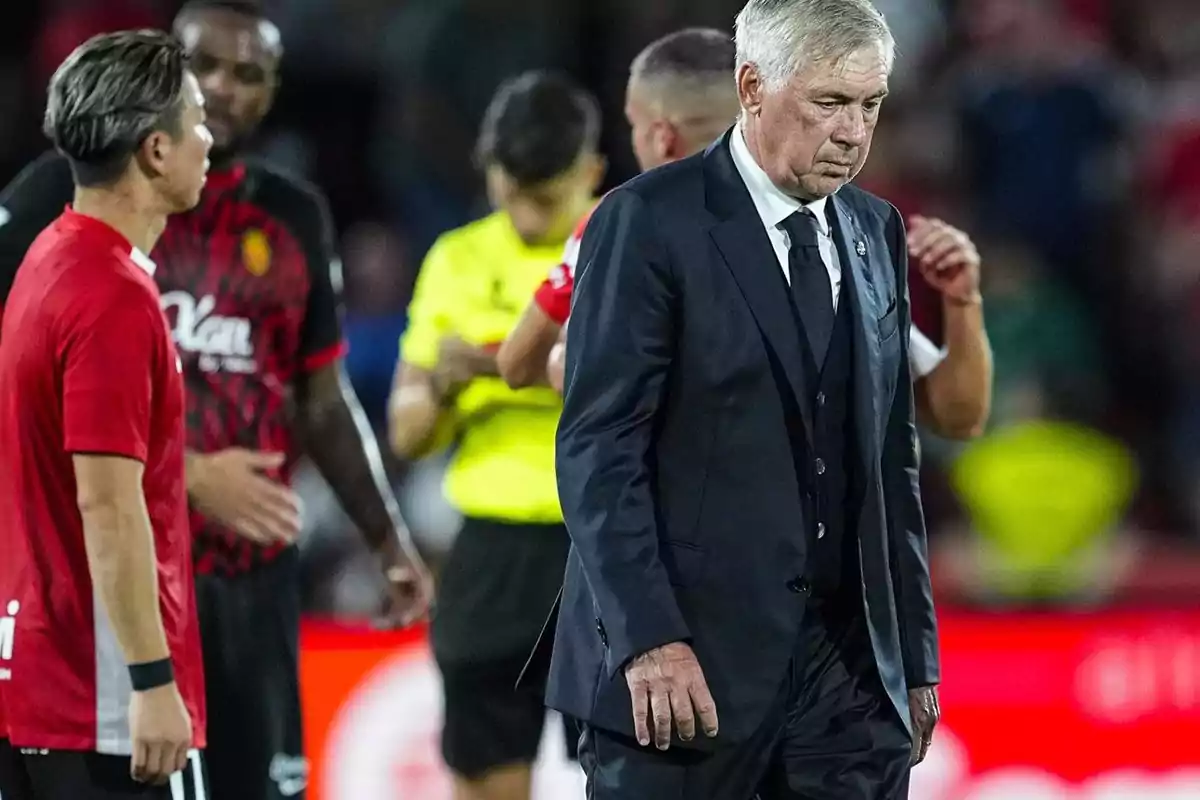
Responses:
[747,607]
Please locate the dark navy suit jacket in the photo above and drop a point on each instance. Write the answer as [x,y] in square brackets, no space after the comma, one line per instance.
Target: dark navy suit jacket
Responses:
[676,471]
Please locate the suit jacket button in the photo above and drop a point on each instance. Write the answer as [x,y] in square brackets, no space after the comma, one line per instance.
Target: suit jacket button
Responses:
[798,585]
[600,630]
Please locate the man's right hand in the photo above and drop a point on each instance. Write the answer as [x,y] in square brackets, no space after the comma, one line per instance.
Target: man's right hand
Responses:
[667,683]
[231,487]
[162,734]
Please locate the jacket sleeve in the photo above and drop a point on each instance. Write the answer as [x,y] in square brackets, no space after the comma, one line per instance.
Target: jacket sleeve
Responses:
[619,353]
[902,496]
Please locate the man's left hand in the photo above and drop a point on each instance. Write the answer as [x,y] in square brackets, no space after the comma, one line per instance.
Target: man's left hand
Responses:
[555,366]
[409,585]
[460,361]
[946,257]
[925,710]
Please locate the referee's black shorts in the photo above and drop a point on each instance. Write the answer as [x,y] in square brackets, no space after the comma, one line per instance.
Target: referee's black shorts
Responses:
[250,632]
[496,590]
[70,775]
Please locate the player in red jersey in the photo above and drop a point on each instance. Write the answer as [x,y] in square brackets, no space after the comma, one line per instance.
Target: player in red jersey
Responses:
[102,673]
[681,96]
[249,283]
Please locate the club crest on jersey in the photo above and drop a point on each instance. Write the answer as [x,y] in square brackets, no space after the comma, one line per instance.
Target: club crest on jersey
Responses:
[256,252]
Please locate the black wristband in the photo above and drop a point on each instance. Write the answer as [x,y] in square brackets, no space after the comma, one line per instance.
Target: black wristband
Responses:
[151,674]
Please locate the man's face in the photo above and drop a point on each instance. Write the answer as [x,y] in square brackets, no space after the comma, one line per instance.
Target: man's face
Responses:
[185,159]
[548,212]
[646,127]
[236,60]
[813,134]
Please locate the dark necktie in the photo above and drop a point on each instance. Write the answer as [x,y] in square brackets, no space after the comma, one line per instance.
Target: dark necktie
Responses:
[811,290]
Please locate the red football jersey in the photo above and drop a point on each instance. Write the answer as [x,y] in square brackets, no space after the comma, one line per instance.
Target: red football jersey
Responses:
[86,366]
[250,281]
[554,294]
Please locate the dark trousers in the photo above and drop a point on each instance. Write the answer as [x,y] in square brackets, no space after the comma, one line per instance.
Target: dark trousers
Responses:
[70,775]
[832,735]
[250,632]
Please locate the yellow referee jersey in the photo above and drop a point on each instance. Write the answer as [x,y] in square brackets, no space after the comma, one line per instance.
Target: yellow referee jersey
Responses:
[475,283]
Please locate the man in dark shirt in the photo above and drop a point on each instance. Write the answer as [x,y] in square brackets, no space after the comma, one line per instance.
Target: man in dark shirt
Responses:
[249,284]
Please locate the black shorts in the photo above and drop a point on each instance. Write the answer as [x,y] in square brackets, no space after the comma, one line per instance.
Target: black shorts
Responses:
[490,722]
[250,631]
[495,593]
[69,775]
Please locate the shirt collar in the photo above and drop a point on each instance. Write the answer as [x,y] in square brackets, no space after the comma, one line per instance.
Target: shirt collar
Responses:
[772,204]
[114,237]
[143,261]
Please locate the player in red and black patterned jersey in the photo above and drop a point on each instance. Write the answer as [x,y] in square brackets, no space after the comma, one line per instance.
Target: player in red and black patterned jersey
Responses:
[249,283]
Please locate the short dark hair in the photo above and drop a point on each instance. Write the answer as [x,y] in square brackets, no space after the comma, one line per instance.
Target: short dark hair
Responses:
[537,126]
[689,52]
[111,93]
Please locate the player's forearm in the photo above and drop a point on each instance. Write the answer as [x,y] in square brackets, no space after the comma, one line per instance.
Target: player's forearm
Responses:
[341,444]
[524,369]
[522,358]
[413,414]
[121,558]
[960,388]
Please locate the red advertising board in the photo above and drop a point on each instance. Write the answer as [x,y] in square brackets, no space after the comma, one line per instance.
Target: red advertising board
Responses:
[1036,707]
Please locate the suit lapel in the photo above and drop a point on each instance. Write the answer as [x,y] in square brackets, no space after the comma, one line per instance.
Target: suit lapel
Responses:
[748,254]
[856,269]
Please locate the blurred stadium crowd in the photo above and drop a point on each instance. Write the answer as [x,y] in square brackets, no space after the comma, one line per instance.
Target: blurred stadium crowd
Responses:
[1064,135]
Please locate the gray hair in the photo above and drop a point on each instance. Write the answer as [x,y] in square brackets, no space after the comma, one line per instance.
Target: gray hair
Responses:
[111,93]
[781,37]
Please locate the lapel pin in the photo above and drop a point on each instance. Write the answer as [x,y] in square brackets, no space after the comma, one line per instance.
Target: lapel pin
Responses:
[860,247]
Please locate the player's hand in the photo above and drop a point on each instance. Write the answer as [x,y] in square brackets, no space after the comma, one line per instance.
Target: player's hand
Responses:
[233,488]
[460,361]
[946,258]
[555,365]
[162,734]
[925,710]
[409,584]
[667,684]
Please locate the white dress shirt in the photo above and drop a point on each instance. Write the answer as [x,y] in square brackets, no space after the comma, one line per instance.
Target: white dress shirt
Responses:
[774,207]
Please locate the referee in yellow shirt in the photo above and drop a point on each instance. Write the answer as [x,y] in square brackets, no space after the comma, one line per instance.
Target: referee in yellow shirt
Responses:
[538,147]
